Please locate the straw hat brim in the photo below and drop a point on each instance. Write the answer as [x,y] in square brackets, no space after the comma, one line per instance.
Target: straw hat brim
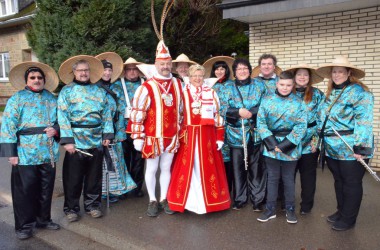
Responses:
[17,73]
[210,62]
[116,61]
[136,63]
[66,74]
[325,70]
[174,68]
[131,60]
[314,78]
[256,71]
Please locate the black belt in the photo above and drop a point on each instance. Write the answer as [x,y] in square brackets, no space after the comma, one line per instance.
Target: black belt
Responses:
[85,126]
[341,132]
[32,131]
[313,124]
[281,132]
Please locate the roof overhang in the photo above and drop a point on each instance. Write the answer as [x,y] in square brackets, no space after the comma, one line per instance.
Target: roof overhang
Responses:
[251,11]
[16,21]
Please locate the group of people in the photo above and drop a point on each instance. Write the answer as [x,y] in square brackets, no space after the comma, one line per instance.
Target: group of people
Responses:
[223,134]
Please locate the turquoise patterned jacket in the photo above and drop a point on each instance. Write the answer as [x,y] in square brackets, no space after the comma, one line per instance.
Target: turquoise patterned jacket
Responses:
[281,122]
[220,89]
[252,94]
[117,109]
[270,84]
[352,117]
[311,136]
[84,116]
[26,110]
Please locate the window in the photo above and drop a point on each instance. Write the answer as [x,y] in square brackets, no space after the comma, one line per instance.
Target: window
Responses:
[8,7]
[4,66]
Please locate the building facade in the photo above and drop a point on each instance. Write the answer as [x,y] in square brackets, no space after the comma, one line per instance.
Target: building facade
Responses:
[314,32]
[15,16]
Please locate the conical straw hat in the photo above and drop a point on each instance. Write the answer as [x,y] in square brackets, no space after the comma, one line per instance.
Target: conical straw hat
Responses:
[340,61]
[314,78]
[115,60]
[210,62]
[66,74]
[17,79]
[256,71]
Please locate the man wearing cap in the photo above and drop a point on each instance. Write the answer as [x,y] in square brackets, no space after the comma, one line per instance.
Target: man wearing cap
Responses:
[129,84]
[120,182]
[181,66]
[267,72]
[86,125]
[29,134]
[154,125]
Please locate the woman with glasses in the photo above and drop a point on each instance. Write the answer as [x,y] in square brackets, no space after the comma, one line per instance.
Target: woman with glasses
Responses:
[198,182]
[243,100]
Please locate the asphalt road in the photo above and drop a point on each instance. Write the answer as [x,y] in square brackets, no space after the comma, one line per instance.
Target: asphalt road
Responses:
[9,241]
[126,226]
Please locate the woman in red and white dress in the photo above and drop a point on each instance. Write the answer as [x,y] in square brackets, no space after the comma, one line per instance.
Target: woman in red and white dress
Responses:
[198,181]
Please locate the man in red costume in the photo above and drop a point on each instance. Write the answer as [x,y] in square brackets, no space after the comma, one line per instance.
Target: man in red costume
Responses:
[154,125]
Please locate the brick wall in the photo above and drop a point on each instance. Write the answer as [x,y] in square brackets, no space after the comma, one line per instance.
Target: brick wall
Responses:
[12,40]
[317,39]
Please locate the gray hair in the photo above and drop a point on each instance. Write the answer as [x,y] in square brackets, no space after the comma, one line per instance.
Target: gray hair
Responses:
[75,65]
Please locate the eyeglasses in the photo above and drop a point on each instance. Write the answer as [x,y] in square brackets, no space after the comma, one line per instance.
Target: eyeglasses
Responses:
[34,77]
[242,69]
[83,70]
[131,69]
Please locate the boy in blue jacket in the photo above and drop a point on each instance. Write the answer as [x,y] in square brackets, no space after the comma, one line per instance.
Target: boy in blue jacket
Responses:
[281,123]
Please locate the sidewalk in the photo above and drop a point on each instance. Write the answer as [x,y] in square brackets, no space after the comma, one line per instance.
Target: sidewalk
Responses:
[125,226]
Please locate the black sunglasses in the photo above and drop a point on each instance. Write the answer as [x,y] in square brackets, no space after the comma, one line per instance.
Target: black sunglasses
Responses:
[34,77]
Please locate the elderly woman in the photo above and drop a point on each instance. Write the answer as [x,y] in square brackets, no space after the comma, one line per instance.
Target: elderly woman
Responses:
[198,181]
[305,76]
[219,67]
[348,109]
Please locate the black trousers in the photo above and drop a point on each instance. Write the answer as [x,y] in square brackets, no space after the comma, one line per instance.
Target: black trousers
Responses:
[82,171]
[251,183]
[280,170]
[32,189]
[307,166]
[135,163]
[229,175]
[348,177]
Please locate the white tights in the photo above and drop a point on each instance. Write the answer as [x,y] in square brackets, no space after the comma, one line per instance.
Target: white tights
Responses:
[165,162]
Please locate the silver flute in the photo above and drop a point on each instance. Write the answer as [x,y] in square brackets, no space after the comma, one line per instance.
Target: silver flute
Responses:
[82,152]
[50,139]
[368,168]
[244,145]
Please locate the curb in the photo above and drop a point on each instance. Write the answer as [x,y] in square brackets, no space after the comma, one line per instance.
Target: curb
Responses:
[61,239]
